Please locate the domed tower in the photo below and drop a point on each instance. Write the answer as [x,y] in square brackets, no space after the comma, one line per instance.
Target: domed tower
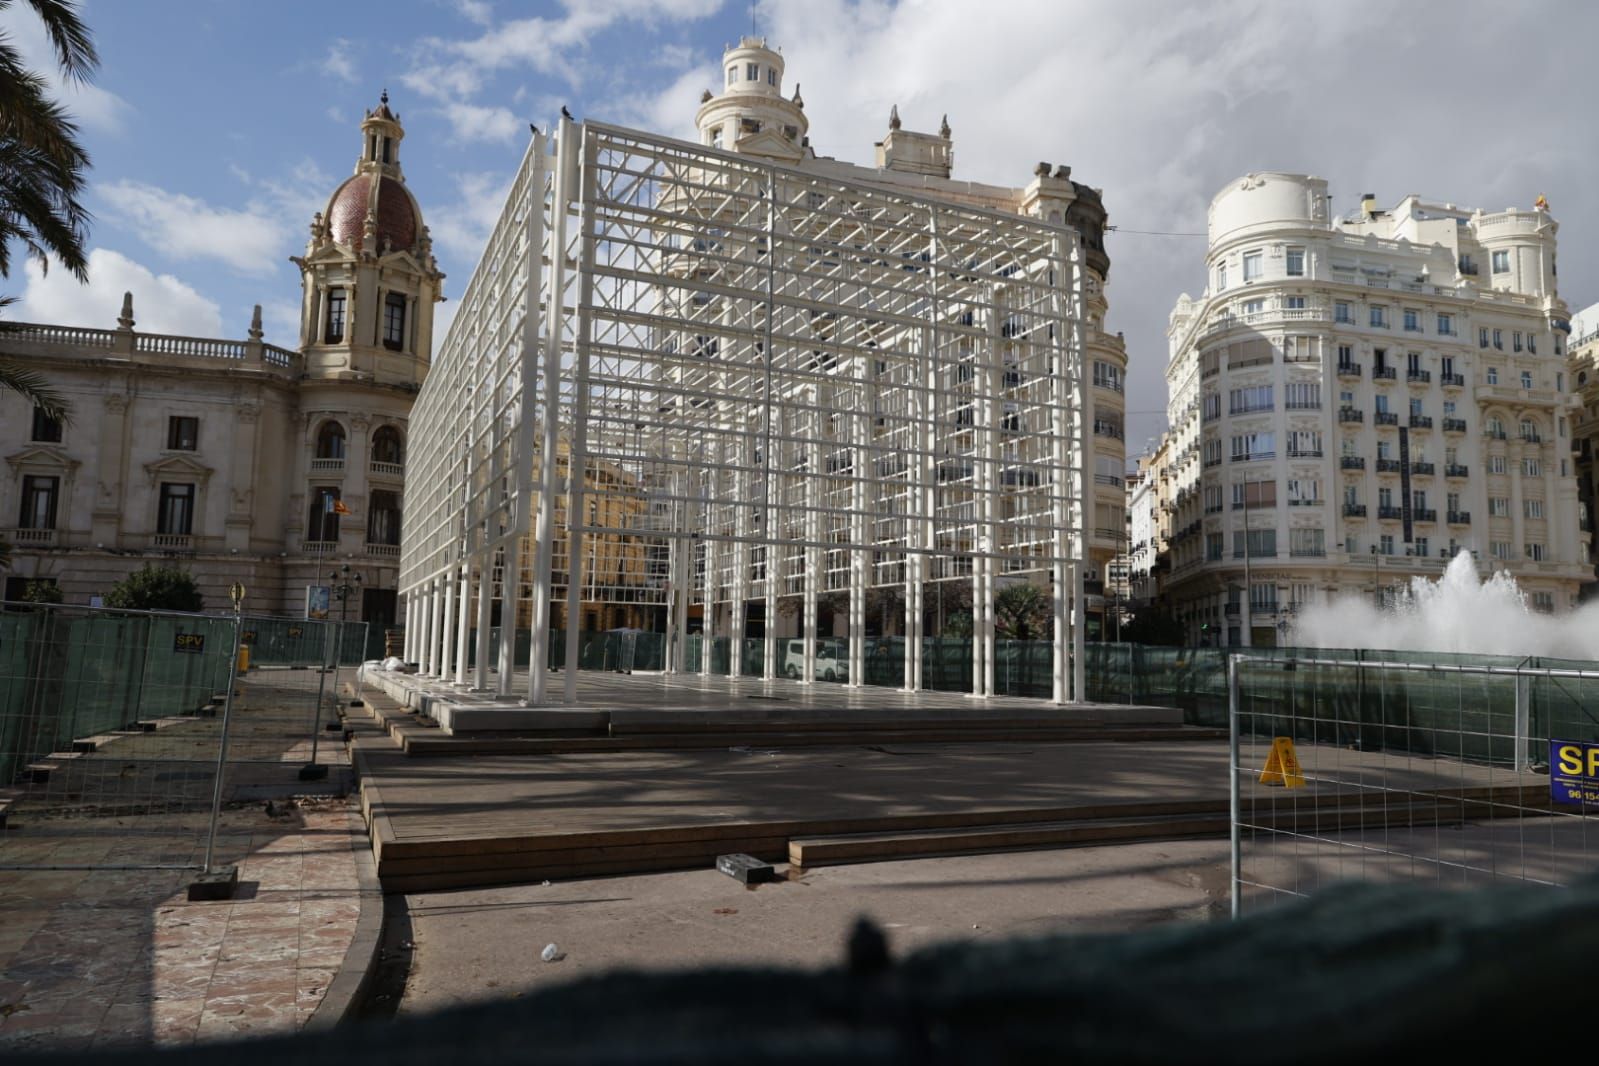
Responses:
[368,275]
[751,114]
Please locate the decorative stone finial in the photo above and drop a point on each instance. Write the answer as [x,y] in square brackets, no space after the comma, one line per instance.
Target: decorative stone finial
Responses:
[125,320]
[255,324]
[1063,172]
[943,128]
[893,117]
[799,102]
[1042,170]
[705,97]
[383,98]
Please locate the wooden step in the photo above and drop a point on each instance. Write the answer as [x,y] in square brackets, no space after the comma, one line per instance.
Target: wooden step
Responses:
[878,847]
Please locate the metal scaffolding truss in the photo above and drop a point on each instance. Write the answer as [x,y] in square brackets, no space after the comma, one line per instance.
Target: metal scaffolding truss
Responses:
[694,379]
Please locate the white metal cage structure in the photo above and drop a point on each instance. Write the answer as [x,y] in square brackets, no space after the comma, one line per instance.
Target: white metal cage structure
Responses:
[687,378]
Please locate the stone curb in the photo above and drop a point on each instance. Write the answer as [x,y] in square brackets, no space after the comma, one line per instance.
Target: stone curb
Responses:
[349,985]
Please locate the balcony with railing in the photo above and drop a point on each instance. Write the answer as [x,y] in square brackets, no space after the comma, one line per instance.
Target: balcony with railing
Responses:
[1454,425]
[1390,514]
[1423,468]
[172,542]
[1352,462]
[1421,421]
[1452,381]
[1418,377]
[1459,518]
[319,547]
[388,551]
[1387,466]
[1350,414]
[1349,370]
[1424,514]
[32,538]
[1304,452]
[1384,373]
[328,466]
[1531,437]
[1457,470]
[386,469]
[1354,510]
[1385,418]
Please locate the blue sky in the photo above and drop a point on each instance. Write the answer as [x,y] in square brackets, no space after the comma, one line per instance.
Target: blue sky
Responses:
[218,126]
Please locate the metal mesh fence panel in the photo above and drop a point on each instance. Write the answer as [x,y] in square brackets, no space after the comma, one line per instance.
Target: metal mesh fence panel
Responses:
[114,726]
[1427,767]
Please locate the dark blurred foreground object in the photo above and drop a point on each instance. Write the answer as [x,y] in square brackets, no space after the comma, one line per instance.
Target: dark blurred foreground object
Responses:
[1358,970]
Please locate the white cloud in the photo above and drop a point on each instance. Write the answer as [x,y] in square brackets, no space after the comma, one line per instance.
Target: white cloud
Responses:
[1160,105]
[339,62]
[280,323]
[161,302]
[95,108]
[477,11]
[250,241]
[462,228]
[456,70]
[469,122]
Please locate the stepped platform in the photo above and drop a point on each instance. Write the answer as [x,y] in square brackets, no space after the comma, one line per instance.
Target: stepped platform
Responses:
[651,703]
[617,805]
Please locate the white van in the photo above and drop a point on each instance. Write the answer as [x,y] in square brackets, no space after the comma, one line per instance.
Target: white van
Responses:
[828,666]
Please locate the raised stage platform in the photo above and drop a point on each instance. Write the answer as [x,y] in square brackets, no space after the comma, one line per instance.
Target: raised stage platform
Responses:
[619,703]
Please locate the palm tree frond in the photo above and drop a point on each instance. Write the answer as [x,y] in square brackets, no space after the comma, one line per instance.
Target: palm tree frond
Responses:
[36,389]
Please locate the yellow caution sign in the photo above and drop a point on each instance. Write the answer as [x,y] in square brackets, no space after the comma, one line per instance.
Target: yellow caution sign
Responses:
[1282,766]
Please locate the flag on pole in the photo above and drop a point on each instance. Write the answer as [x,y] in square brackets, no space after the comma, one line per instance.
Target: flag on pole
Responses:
[338,506]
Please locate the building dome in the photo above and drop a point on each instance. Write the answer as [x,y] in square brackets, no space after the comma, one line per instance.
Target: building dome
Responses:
[398,217]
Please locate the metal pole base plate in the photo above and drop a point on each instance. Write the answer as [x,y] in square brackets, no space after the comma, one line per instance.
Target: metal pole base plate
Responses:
[313,772]
[219,884]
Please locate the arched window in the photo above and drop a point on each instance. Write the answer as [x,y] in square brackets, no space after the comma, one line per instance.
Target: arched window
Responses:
[387,447]
[330,441]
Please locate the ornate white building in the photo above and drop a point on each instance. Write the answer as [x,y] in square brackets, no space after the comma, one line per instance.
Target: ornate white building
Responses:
[220,456]
[754,115]
[1583,369]
[1353,400]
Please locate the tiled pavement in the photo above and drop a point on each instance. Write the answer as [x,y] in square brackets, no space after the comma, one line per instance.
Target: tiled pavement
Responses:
[106,957]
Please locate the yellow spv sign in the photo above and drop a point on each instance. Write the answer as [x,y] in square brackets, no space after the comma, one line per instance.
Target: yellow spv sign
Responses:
[1282,765]
[1574,772]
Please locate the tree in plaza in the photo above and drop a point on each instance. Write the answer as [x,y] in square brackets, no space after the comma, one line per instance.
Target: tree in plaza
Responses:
[1024,612]
[155,588]
[42,169]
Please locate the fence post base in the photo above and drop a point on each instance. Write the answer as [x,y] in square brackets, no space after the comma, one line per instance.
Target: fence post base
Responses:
[218,884]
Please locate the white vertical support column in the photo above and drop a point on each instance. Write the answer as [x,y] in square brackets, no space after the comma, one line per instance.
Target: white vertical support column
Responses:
[768,412]
[424,662]
[860,471]
[541,365]
[407,603]
[1060,481]
[575,166]
[463,633]
[485,593]
[435,625]
[985,457]
[1075,361]
[742,512]
[447,594]
[505,655]
[814,559]
[438,594]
